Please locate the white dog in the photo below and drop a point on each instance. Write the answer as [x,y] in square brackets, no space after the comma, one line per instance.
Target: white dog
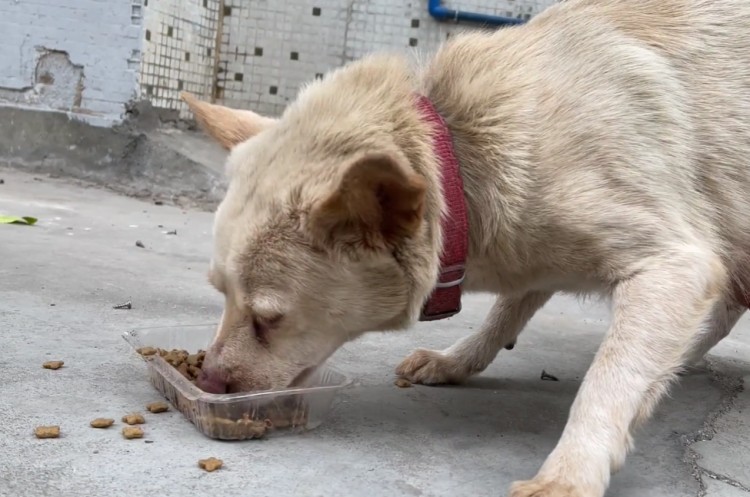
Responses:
[603,147]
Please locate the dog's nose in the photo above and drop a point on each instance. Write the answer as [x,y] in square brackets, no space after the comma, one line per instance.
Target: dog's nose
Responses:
[211,382]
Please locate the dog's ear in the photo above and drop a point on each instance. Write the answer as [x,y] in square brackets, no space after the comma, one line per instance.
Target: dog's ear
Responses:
[377,203]
[227,126]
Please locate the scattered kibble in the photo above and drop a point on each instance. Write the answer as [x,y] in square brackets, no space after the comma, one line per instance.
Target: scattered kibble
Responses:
[157,407]
[131,432]
[47,431]
[102,422]
[133,419]
[147,351]
[402,383]
[53,364]
[210,464]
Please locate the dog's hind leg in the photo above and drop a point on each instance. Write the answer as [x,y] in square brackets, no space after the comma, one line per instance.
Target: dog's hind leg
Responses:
[472,354]
[657,315]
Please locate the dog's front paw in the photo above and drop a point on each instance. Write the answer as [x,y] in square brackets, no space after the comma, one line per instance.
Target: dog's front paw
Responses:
[536,488]
[431,367]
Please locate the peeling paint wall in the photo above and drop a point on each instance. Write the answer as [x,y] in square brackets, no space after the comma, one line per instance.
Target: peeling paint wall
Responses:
[76,56]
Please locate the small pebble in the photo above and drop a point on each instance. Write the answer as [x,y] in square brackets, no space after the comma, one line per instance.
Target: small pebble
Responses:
[47,431]
[210,464]
[139,243]
[548,377]
[131,432]
[53,364]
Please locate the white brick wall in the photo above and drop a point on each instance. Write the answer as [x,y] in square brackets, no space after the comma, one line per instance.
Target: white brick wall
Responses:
[97,43]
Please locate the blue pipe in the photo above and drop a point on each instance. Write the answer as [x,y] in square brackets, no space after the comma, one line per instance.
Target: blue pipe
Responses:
[445,14]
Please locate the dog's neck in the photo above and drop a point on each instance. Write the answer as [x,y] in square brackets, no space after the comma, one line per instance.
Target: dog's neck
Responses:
[445,300]
[373,100]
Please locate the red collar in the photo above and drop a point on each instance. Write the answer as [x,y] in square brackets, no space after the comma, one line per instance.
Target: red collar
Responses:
[445,300]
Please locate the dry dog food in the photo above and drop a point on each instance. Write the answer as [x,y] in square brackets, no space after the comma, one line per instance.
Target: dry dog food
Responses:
[210,464]
[131,432]
[133,419]
[189,365]
[402,383]
[283,414]
[157,407]
[53,364]
[102,422]
[47,431]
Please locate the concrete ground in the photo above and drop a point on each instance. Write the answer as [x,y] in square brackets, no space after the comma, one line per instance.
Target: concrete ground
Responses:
[60,279]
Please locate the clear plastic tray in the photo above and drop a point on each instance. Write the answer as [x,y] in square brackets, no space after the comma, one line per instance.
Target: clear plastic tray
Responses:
[236,416]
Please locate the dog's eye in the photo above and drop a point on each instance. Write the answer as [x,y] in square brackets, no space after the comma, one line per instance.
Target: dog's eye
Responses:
[264,325]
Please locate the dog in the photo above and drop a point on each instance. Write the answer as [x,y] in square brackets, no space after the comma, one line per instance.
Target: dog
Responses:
[602,148]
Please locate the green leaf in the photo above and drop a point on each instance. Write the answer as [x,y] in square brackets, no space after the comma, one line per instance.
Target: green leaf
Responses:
[18,220]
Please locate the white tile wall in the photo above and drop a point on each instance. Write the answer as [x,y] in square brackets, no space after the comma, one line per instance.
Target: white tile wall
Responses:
[300,39]
[269,48]
[179,51]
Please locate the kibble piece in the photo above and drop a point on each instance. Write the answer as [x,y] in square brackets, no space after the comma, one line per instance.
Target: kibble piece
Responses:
[133,419]
[210,464]
[53,364]
[130,432]
[402,383]
[102,423]
[146,351]
[183,369]
[47,431]
[157,407]
[253,428]
[174,359]
[194,372]
[194,360]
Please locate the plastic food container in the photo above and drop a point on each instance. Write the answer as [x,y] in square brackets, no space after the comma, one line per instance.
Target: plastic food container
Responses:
[236,416]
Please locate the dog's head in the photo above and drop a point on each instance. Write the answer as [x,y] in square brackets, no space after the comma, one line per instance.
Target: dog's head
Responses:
[320,238]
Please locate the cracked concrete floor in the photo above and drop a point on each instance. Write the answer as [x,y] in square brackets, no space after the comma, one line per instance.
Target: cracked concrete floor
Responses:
[60,279]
